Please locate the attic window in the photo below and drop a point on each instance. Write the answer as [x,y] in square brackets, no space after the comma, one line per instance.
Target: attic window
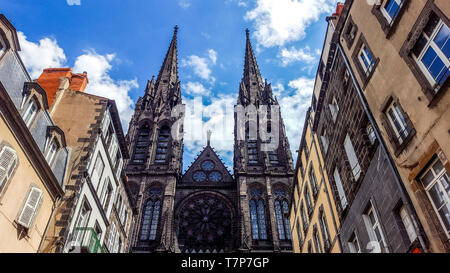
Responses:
[254,83]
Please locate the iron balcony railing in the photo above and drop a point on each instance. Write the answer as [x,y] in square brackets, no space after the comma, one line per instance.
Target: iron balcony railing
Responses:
[87,240]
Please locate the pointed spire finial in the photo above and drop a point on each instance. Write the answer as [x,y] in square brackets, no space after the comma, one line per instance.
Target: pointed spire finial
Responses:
[247,33]
[208,135]
[175,29]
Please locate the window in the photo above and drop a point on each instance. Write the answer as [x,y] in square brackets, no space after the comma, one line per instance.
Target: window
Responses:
[334,109]
[397,122]
[97,230]
[309,203]
[371,134]
[52,149]
[30,207]
[81,222]
[407,224]
[353,244]
[324,229]
[258,218]
[304,218]
[350,32]
[142,145]
[113,149]
[324,139]
[150,220]
[317,241]
[340,188]
[310,248]
[346,79]
[313,181]
[8,163]
[97,171]
[432,52]
[163,144]
[352,158]
[299,235]
[273,158]
[391,9]
[437,185]
[373,227]
[252,145]
[30,112]
[111,237]
[106,194]
[282,215]
[366,59]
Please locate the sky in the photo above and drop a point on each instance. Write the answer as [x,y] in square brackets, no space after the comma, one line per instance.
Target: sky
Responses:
[121,44]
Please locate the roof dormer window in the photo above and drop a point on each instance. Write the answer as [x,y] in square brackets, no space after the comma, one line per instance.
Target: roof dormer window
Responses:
[30,112]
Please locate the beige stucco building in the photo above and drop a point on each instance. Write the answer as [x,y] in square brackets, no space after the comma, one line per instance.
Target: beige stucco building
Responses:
[400,50]
[32,153]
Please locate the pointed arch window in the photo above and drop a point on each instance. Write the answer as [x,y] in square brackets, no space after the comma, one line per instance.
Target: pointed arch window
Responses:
[258,216]
[163,144]
[150,216]
[142,144]
[282,215]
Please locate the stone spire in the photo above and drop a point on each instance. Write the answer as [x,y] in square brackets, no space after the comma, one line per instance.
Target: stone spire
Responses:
[252,84]
[167,86]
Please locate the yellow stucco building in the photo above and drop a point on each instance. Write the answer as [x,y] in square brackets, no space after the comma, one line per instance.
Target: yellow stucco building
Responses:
[313,217]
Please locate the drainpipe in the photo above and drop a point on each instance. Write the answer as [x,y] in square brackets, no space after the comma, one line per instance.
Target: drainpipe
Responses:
[397,178]
[44,236]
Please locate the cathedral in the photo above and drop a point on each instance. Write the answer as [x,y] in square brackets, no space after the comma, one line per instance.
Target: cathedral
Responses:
[207,209]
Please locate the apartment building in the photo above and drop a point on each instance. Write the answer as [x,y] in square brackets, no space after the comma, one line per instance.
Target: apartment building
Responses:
[33,153]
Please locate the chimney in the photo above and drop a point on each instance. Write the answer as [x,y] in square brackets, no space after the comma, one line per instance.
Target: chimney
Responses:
[339,8]
[79,82]
[50,81]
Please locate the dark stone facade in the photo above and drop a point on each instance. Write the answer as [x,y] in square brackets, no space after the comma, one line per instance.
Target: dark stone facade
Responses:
[206,209]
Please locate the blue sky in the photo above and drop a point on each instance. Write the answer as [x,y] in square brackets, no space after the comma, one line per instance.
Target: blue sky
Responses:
[121,44]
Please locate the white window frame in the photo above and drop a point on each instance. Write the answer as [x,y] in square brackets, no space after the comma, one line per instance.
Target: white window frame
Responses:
[324,139]
[51,151]
[354,245]
[408,224]
[6,170]
[352,158]
[363,55]
[371,227]
[97,174]
[371,133]
[385,12]
[28,116]
[437,182]
[438,51]
[398,115]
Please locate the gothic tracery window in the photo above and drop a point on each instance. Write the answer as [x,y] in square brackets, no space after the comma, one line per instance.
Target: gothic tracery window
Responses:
[282,215]
[205,225]
[142,144]
[150,216]
[258,215]
[163,143]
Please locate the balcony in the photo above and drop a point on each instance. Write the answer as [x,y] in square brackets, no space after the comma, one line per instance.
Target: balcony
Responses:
[86,240]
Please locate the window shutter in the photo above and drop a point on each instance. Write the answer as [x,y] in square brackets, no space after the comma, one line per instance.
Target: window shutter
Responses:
[352,158]
[113,149]
[30,207]
[119,168]
[8,161]
[112,232]
[106,121]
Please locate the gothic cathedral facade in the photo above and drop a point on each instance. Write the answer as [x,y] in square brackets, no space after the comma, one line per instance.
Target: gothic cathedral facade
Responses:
[207,209]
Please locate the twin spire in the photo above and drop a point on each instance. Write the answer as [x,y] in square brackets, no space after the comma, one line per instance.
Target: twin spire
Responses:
[167,85]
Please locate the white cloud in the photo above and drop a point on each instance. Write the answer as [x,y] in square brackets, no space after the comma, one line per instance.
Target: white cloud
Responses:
[73,2]
[291,55]
[100,82]
[37,56]
[195,88]
[218,116]
[201,66]
[212,55]
[184,3]
[278,22]
[293,107]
